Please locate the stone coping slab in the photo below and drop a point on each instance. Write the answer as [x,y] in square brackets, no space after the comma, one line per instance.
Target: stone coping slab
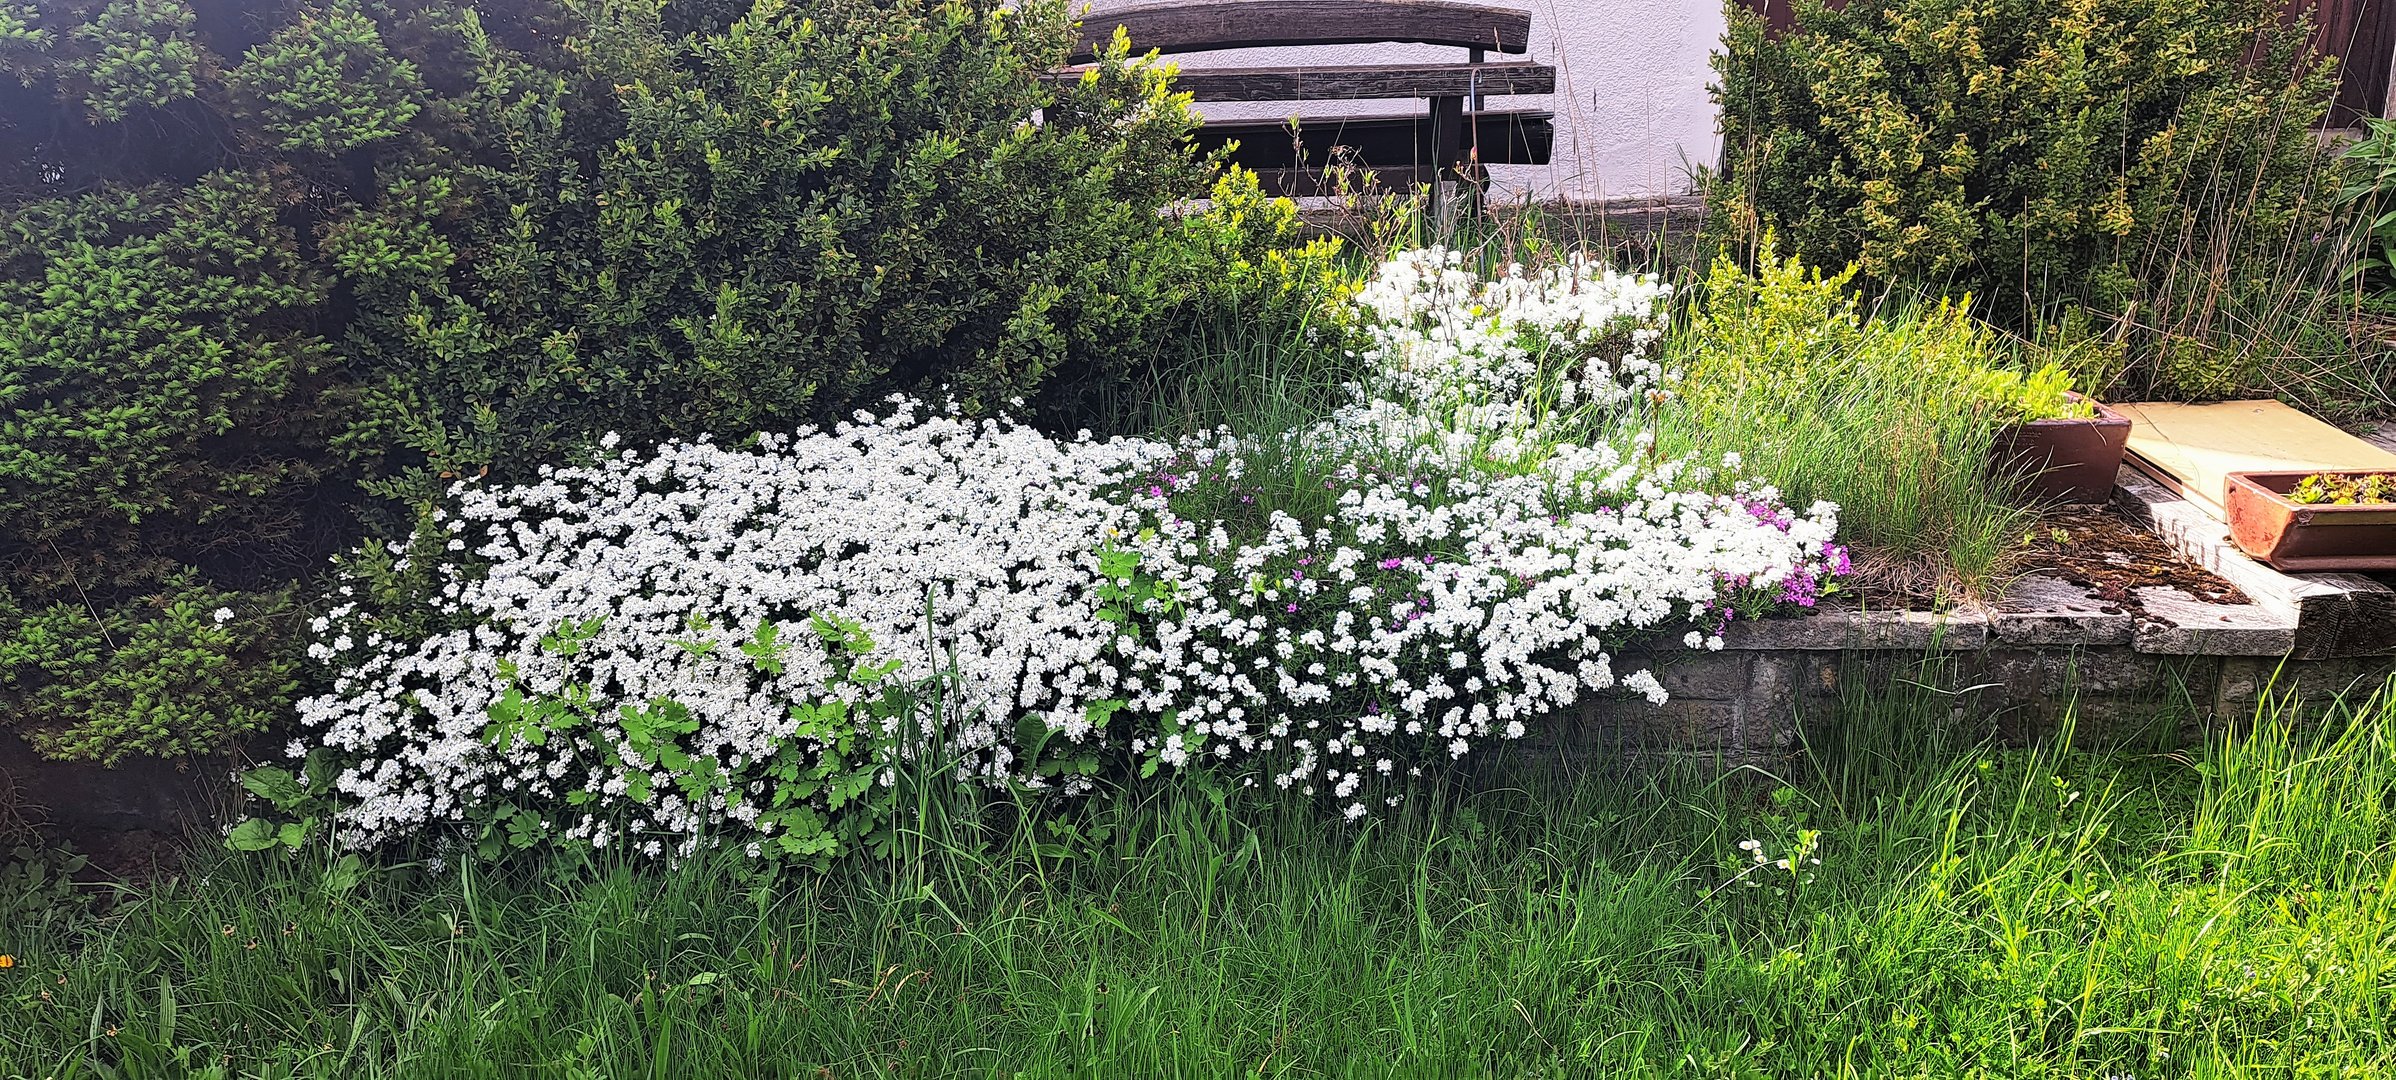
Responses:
[1834,629]
[2053,615]
[2331,615]
[2305,616]
[2044,610]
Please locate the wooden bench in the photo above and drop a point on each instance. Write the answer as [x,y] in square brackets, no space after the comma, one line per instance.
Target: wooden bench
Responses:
[1454,138]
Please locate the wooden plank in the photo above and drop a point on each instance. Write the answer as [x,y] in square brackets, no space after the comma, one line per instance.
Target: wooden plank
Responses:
[1356,81]
[2336,615]
[1504,138]
[2362,35]
[2192,449]
[1187,25]
[1303,182]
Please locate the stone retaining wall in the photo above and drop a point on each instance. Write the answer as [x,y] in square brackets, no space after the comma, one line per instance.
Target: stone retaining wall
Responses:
[2020,671]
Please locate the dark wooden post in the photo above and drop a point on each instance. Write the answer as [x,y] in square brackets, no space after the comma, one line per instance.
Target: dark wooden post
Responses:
[1447,147]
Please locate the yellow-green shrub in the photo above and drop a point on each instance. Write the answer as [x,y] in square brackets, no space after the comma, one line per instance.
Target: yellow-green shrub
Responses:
[2154,162]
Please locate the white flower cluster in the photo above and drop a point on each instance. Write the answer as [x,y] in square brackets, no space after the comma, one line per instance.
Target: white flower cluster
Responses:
[1463,585]
[975,538]
[1578,332]
[1403,621]
[1472,565]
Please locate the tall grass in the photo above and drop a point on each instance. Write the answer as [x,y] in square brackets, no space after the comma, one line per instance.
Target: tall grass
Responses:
[1876,411]
[1905,461]
[1975,912]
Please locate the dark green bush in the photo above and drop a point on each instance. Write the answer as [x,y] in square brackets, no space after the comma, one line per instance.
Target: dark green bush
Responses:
[270,270]
[2154,162]
[178,671]
[160,381]
[813,207]
[169,389]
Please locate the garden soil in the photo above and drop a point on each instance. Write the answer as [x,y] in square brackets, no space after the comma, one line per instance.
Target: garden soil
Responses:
[2113,557]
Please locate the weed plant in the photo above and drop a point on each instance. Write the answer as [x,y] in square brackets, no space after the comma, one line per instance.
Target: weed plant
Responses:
[1905,901]
[1263,380]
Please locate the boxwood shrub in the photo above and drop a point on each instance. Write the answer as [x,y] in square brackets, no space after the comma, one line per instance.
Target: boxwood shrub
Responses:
[272,274]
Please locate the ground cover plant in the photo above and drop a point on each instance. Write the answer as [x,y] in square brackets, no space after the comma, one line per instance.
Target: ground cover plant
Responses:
[2344,489]
[1906,901]
[704,645]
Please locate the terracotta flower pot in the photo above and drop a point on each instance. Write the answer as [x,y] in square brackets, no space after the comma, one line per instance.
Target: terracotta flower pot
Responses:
[2070,461]
[2308,537]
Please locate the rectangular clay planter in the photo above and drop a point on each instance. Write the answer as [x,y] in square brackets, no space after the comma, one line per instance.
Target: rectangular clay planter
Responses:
[2301,538]
[2070,461]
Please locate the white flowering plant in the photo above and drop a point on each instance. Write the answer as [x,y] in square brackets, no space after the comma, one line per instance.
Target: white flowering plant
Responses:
[648,638]
[710,645]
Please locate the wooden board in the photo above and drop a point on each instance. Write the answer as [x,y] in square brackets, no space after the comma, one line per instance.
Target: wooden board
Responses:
[2192,449]
[1187,25]
[2336,615]
[1511,137]
[1297,183]
[2383,436]
[1340,82]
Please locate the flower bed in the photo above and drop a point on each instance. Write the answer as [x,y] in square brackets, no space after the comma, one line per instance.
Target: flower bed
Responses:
[709,644]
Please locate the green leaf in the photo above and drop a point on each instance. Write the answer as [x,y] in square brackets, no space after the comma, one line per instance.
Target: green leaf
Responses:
[849,785]
[523,828]
[277,786]
[253,834]
[344,875]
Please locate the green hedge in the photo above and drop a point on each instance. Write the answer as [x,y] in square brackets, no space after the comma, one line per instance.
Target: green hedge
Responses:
[2153,161]
[271,274]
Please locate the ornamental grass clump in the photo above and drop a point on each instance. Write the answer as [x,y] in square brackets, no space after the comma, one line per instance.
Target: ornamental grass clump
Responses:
[709,645]
[1891,416]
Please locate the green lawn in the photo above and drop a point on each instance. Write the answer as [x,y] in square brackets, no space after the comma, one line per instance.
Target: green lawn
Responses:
[2221,910]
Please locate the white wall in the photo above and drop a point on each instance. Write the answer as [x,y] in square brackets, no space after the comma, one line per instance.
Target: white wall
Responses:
[1632,112]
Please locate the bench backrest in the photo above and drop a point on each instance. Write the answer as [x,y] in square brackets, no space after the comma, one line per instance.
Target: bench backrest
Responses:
[1174,26]
[1452,140]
